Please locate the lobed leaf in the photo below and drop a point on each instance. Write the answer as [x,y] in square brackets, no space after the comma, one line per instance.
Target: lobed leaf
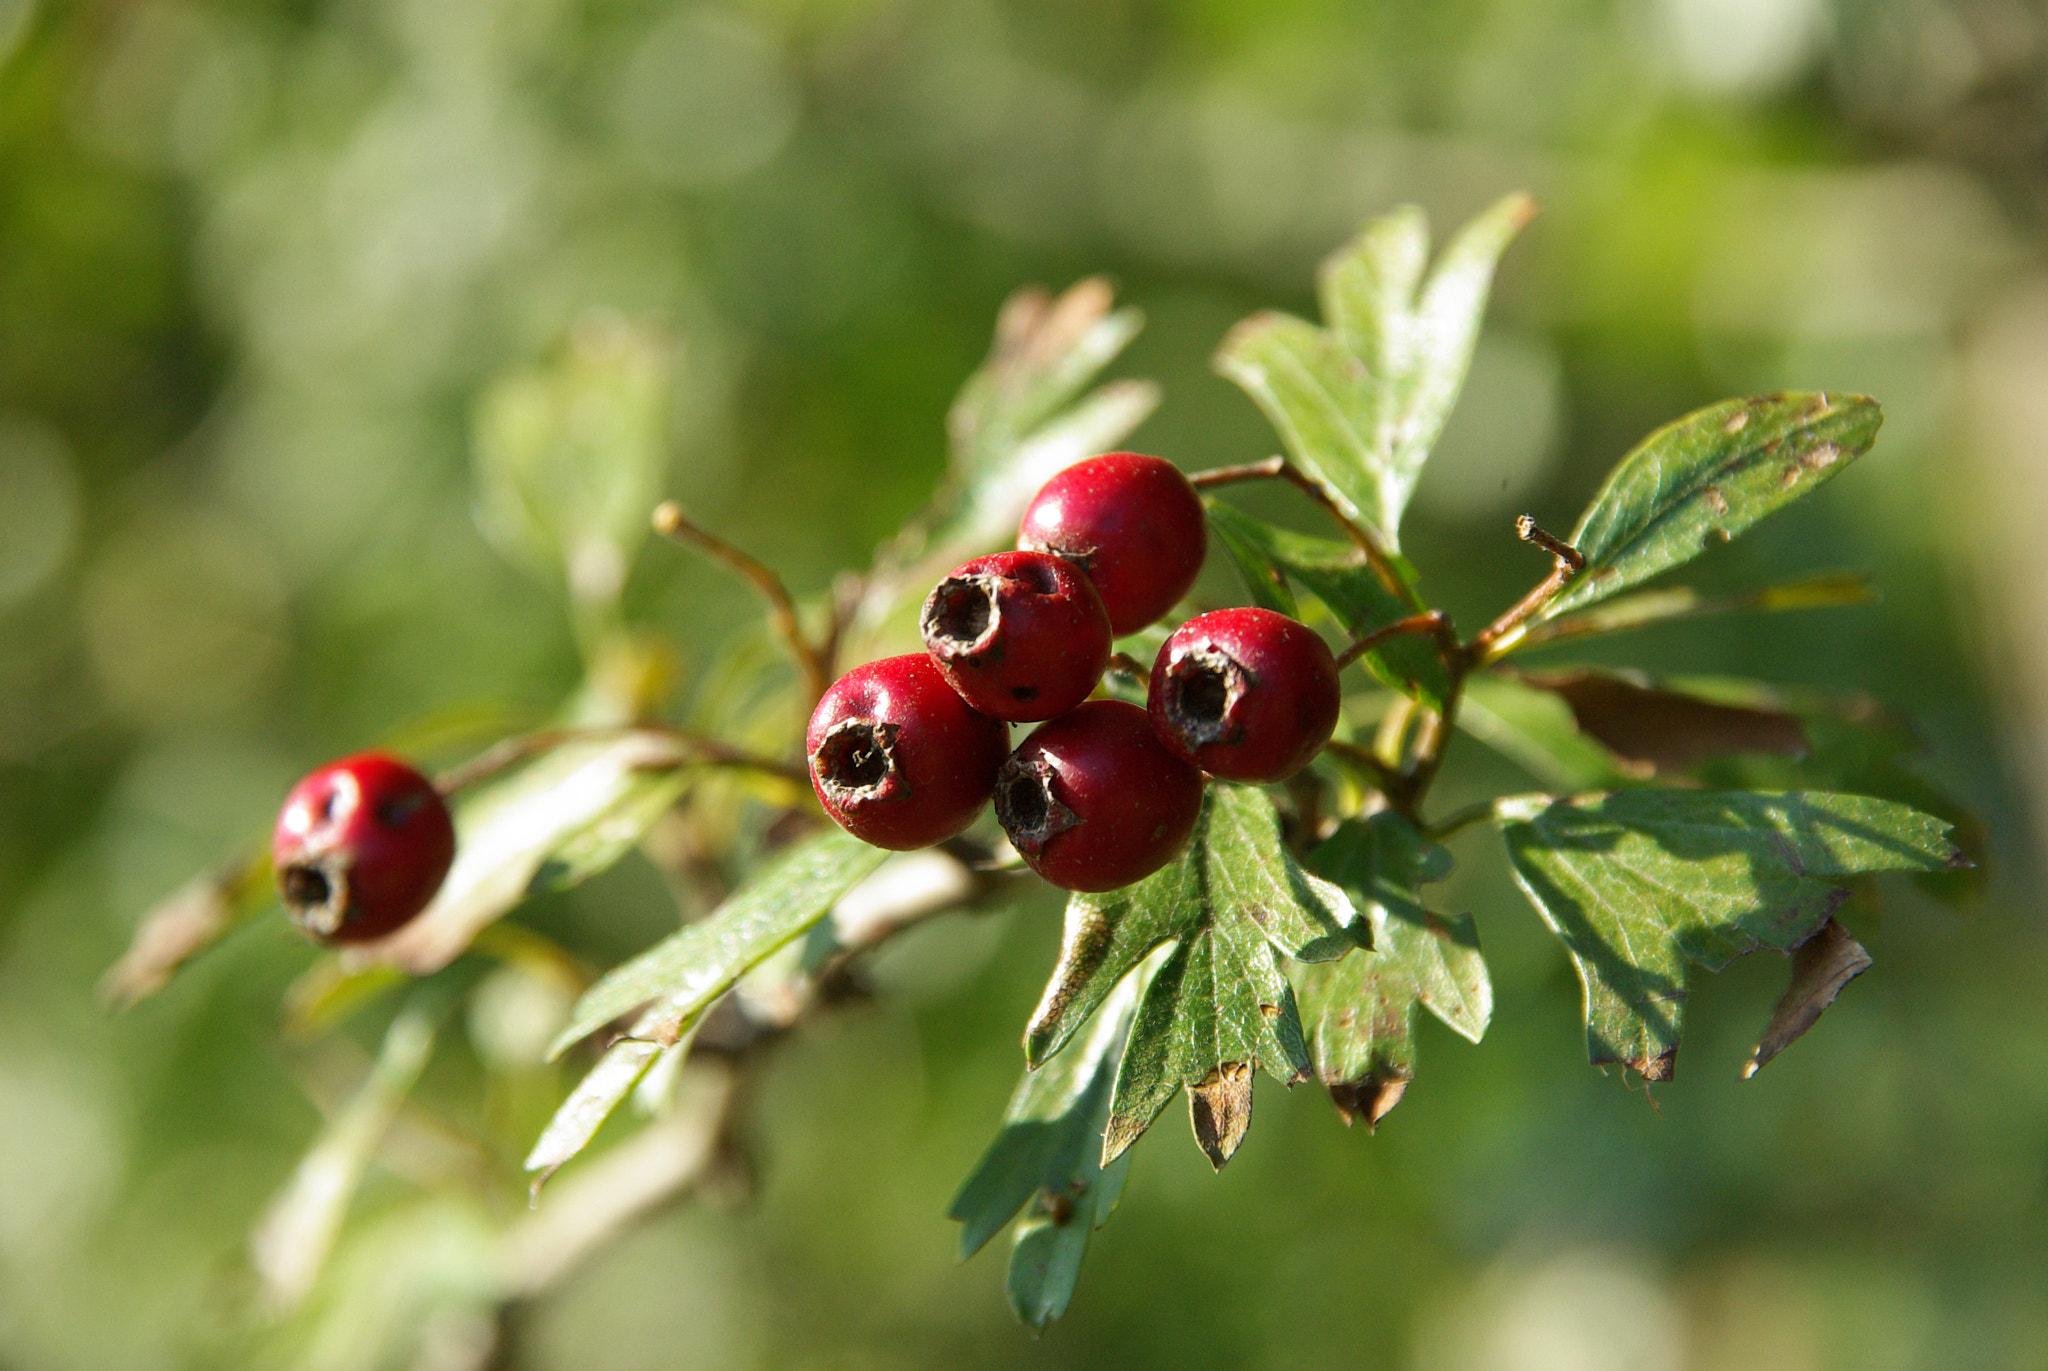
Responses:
[1218,1004]
[1359,405]
[1359,1011]
[682,974]
[1272,559]
[1703,479]
[1049,1156]
[1641,883]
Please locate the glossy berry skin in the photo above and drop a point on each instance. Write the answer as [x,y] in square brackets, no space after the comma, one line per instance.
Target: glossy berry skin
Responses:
[1245,694]
[1132,522]
[1020,635]
[1092,801]
[898,759]
[361,846]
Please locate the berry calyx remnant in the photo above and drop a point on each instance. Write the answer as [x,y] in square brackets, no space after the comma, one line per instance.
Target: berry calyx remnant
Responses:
[1245,694]
[897,758]
[360,847]
[1132,522]
[1020,635]
[1093,801]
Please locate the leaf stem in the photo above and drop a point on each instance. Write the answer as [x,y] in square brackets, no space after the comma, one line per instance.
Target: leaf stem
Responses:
[509,752]
[1458,820]
[1363,536]
[1430,621]
[1499,636]
[811,661]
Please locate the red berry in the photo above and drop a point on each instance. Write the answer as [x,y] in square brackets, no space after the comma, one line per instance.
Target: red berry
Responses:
[897,758]
[360,847]
[1245,694]
[1132,522]
[1021,635]
[1093,802]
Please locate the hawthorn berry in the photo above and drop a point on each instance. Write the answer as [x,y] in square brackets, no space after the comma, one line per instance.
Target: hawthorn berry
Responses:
[1093,801]
[898,759]
[1132,522]
[1021,635]
[1245,694]
[361,846]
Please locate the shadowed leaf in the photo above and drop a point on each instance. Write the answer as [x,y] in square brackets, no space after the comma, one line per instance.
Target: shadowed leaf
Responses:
[1639,884]
[1821,966]
[1273,560]
[1359,405]
[1536,730]
[1218,998]
[1708,477]
[1667,730]
[1360,1011]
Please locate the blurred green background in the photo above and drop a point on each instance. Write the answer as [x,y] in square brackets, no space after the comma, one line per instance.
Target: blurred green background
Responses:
[259,261]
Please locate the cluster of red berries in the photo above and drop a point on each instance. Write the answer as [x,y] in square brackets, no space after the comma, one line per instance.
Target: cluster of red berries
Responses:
[905,751]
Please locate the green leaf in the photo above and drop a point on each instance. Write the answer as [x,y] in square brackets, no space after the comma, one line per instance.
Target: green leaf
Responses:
[1218,1005]
[1641,883]
[1646,608]
[571,456]
[1360,407]
[560,820]
[1706,478]
[1049,1155]
[1273,560]
[682,974]
[1360,1011]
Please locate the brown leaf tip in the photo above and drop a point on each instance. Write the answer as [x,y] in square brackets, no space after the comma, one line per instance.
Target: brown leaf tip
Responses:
[1220,1109]
[1370,1097]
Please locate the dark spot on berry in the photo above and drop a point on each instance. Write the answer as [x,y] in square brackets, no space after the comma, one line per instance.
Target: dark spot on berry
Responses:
[1036,577]
[393,813]
[1024,692]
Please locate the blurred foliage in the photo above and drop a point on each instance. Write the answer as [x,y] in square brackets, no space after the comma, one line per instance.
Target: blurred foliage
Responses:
[273,277]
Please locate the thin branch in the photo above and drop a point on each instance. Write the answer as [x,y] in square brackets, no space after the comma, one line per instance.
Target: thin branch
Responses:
[1430,621]
[1366,760]
[1458,820]
[508,753]
[670,523]
[1498,636]
[1364,537]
